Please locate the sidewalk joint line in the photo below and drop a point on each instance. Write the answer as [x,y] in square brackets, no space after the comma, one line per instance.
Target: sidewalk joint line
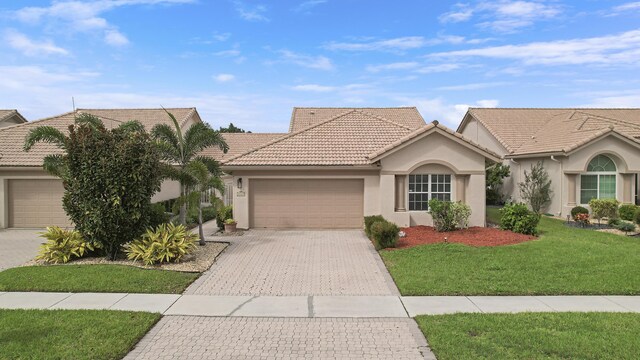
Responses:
[114,304]
[622,306]
[241,305]
[404,307]
[543,303]
[310,306]
[61,300]
[474,304]
[173,303]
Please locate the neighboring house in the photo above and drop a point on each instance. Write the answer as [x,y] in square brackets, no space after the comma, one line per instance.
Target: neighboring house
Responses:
[337,165]
[30,197]
[11,117]
[588,153]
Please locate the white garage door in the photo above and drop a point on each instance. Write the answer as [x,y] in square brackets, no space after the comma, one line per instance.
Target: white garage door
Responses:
[298,203]
[36,203]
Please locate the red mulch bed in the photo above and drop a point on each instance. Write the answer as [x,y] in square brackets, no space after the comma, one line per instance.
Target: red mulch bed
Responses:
[473,236]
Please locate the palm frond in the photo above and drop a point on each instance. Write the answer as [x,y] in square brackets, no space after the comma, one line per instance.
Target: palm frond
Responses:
[90,120]
[168,152]
[178,131]
[131,126]
[201,136]
[55,165]
[168,171]
[212,164]
[198,171]
[165,133]
[46,134]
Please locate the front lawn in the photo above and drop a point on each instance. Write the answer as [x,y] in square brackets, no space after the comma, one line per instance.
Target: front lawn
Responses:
[95,278]
[533,336]
[562,261]
[71,334]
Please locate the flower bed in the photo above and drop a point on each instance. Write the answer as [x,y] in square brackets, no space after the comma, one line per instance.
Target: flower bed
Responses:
[473,236]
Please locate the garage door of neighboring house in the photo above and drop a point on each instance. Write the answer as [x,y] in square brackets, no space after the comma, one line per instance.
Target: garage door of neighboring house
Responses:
[36,203]
[306,203]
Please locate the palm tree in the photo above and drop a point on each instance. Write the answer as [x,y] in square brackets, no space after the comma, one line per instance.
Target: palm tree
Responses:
[180,150]
[205,180]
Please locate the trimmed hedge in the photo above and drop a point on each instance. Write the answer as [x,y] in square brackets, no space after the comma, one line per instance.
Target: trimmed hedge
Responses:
[578,210]
[369,220]
[518,218]
[627,211]
[384,234]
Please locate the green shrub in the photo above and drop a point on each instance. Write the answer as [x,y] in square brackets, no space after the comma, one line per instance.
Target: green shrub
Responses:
[518,218]
[626,226]
[627,211]
[636,217]
[209,213]
[63,245]
[604,208]
[165,243]
[448,216]
[578,210]
[224,213]
[158,215]
[369,220]
[613,222]
[384,234]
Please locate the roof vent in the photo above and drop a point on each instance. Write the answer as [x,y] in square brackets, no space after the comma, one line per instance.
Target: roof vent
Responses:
[435,122]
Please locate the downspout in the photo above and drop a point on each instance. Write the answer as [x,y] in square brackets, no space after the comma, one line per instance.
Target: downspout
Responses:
[515,179]
[553,158]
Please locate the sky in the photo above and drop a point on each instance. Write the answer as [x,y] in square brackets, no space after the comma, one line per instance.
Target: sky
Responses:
[250,62]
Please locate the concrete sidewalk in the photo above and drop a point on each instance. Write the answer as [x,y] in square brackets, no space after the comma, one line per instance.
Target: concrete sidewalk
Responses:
[316,306]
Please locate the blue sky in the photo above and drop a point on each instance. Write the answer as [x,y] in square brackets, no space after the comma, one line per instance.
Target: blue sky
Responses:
[250,62]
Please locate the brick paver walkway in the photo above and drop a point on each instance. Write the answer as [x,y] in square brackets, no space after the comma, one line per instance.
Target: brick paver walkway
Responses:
[18,247]
[291,262]
[187,337]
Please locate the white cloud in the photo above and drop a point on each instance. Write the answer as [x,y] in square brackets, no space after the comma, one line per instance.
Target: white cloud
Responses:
[472,86]
[81,16]
[306,6]
[222,78]
[308,61]
[629,99]
[393,66]
[313,88]
[626,8]
[401,43]
[115,38]
[30,47]
[254,13]
[621,48]
[443,111]
[438,68]
[504,15]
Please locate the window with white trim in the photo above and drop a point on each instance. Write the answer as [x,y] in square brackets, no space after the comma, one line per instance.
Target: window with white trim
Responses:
[600,180]
[423,187]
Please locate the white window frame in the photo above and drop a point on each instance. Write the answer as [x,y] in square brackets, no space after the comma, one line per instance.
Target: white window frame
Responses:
[597,174]
[429,192]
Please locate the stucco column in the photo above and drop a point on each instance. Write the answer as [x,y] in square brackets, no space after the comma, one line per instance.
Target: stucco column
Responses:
[400,193]
[626,188]
[571,183]
[461,188]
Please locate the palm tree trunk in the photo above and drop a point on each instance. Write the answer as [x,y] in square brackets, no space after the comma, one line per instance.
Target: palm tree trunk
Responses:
[201,231]
[183,206]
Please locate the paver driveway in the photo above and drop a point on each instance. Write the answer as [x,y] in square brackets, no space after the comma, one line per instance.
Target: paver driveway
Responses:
[294,262]
[18,247]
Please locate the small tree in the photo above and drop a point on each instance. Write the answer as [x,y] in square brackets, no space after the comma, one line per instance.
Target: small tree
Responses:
[604,208]
[536,187]
[205,180]
[495,174]
[109,177]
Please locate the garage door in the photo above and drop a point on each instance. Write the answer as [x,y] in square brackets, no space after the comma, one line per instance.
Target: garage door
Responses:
[296,203]
[36,203]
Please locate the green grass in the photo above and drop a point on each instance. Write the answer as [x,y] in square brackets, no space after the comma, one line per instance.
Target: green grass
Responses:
[562,261]
[71,334]
[493,214]
[94,278]
[533,336]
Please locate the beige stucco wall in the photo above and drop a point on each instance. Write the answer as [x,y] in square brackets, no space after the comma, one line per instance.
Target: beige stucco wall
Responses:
[169,189]
[434,153]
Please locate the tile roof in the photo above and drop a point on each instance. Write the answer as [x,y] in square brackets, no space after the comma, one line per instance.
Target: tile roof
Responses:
[346,139]
[425,129]
[303,117]
[12,137]
[532,131]
[240,143]
[6,114]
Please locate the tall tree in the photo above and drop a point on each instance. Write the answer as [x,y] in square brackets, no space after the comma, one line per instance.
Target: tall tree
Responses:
[179,150]
[232,129]
[536,187]
[109,177]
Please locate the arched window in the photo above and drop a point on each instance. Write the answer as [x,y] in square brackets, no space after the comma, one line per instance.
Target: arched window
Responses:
[600,180]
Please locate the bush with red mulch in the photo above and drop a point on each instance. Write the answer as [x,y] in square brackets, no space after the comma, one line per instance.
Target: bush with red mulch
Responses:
[473,236]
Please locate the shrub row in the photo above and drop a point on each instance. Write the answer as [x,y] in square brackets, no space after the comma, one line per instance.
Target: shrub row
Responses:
[383,233]
[449,216]
[609,209]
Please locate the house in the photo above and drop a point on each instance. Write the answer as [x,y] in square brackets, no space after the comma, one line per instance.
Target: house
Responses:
[29,196]
[336,165]
[588,153]
[11,117]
